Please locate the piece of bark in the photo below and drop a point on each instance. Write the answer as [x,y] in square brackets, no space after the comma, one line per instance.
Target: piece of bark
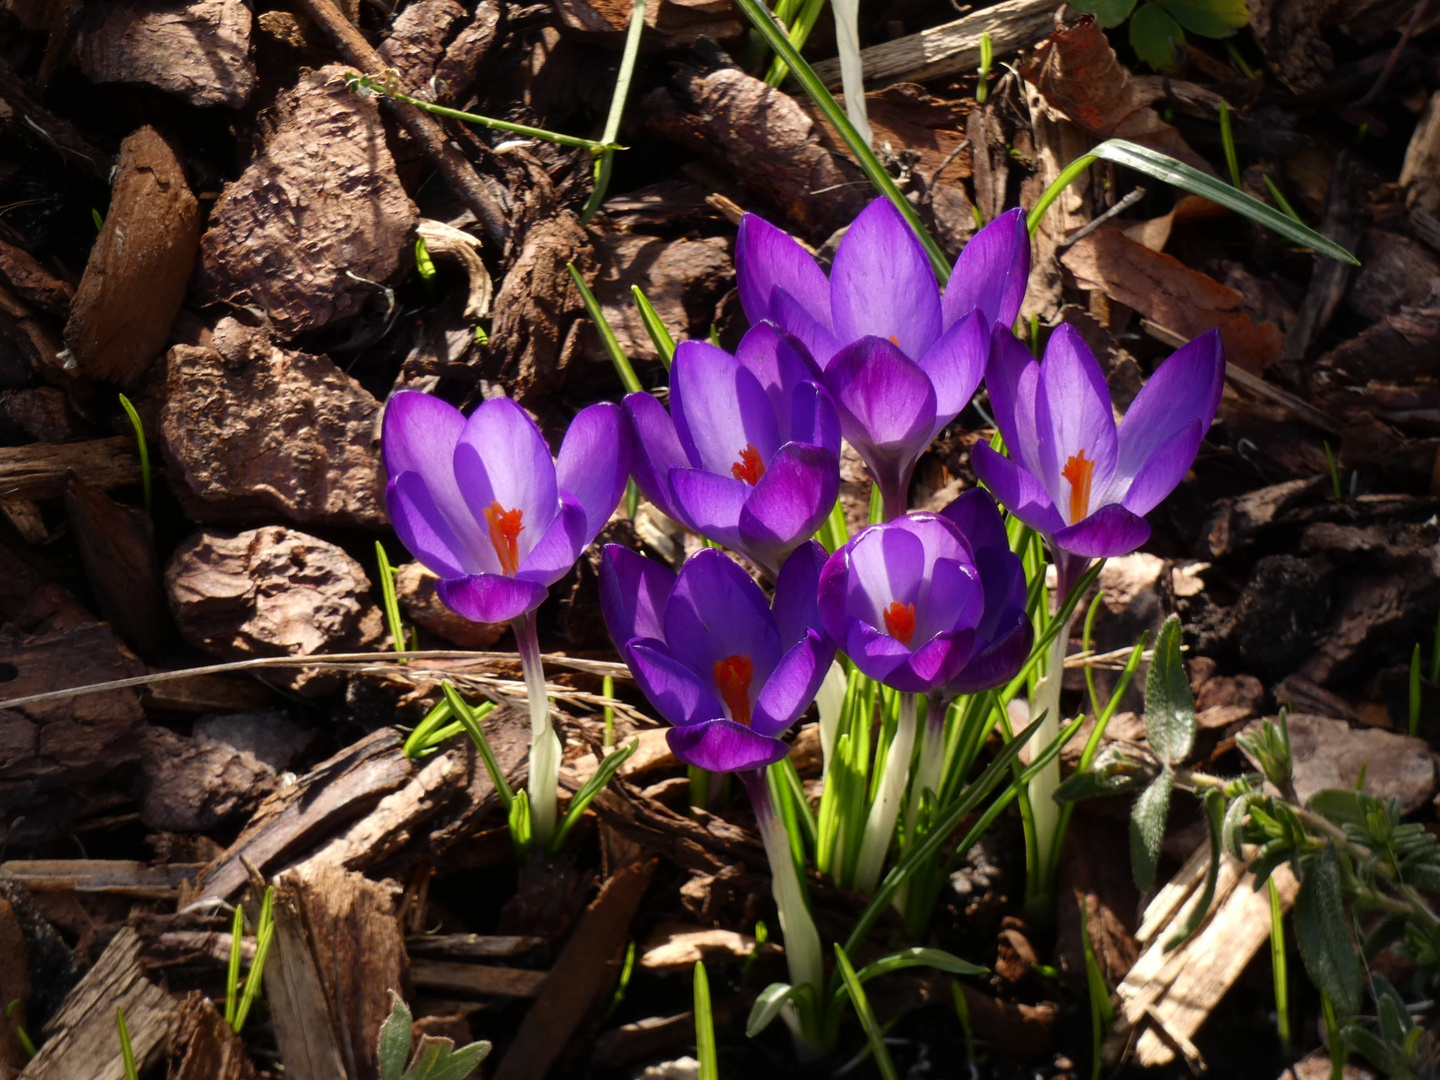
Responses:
[41,471]
[1058,143]
[416,43]
[1331,754]
[485,980]
[683,279]
[1420,174]
[1164,290]
[1402,348]
[1345,217]
[198,49]
[135,279]
[369,805]
[271,592]
[70,741]
[678,23]
[1395,272]
[766,140]
[82,1038]
[117,549]
[1080,77]
[337,932]
[678,947]
[43,413]
[203,1047]
[100,877]
[14,987]
[30,281]
[27,346]
[250,430]
[317,222]
[22,115]
[268,737]
[191,785]
[582,978]
[415,589]
[951,48]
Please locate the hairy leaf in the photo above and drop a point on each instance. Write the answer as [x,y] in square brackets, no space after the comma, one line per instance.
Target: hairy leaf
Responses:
[1156,37]
[1169,704]
[1208,18]
[394,1048]
[1214,817]
[1147,828]
[1322,930]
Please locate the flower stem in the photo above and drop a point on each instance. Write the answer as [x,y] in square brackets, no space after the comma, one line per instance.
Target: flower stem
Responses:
[931,763]
[1044,810]
[544,743]
[880,825]
[802,940]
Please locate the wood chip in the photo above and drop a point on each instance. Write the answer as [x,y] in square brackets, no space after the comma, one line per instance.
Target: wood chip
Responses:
[203,1047]
[113,877]
[483,979]
[39,471]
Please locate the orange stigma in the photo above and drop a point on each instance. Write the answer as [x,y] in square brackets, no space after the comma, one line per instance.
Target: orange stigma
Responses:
[900,622]
[732,678]
[1079,472]
[749,468]
[894,341]
[505,526]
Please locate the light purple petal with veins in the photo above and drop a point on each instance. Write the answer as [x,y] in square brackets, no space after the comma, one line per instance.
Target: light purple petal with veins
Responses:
[1073,416]
[991,272]
[882,283]
[679,694]
[1110,531]
[955,365]
[715,611]
[501,457]
[490,598]
[719,408]
[1186,388]
[557,549]
[657,449]
[724,746]
[709,504]
[1019,492]
[1167,466]
[633,591]
[792,685]
[792,500]
[594,463]
[767,258]
[425,532]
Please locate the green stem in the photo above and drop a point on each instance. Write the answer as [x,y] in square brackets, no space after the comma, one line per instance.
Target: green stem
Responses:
[544,742]
[617,110]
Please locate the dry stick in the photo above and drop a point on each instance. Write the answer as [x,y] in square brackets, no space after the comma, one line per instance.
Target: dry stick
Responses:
[423,128]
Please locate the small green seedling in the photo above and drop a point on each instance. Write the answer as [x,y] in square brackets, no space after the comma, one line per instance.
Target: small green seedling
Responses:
[433,1058]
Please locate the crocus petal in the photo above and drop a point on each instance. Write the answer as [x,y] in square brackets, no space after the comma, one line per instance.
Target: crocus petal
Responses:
[935,663]
[817,337]
[885,400]
[425,532]
[594,462]
[557,549]
[793,684]
[997,663]
[955,600]
[796,605]
[991,272]
[977,517]
[490,598]
[1185,389]
[1167,466]
[779,361]
[657,449]
[1110,531]
[709,504]
[633,590]
[813,418]
[679,694]
[501,457]
[719,408]
[876,654]
[955,365]
[1008,361]
[767,258]
[887,565]
[1015,489]
[792,500]
[715,611]
[1003,579]
[419,437]
[1073,416]
[724,746]
[882,283]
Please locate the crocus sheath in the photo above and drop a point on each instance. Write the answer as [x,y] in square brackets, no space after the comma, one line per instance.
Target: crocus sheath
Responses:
[900,360]
[749,453]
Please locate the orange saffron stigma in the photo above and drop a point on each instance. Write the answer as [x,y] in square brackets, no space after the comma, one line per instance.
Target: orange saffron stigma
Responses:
[1079,472]
[749,468]
[732,679]
[894,341]
[505,527]
[900,621]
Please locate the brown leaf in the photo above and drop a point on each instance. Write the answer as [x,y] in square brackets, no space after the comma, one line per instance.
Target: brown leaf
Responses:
[1081,78]
[1171,295]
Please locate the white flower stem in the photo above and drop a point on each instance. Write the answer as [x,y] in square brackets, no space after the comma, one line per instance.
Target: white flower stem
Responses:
[1044,811]
[932,760]
[880,825]
[802,940]
[544,778]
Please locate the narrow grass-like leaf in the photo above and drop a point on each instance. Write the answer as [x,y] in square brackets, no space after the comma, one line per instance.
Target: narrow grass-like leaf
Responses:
[1147,828]
[467,716]
[1322,930]
[264,935]
[141,447]
[232,971]
[764,22]
[127,1052]
[1102,1013]
[919,957]
[1187,178]
[705,1027]
[389,599]
[623,368]
[658,331]
[1214,818]
[586,795]
[1279,968]
[1415,691]
[1169,702]
[866,1014]
[606,160]
[1227,141]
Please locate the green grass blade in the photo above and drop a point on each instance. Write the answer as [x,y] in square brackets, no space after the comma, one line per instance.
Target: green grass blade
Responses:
[141,447]
[606,160]
[658,331]
[232,973]
[389,599]
[264,935]
[866,1015]
[705,1027]
[1187,178]
[623,368]
[1279,967]
[467,716]
[592,787]
[764,23]
[127,1052]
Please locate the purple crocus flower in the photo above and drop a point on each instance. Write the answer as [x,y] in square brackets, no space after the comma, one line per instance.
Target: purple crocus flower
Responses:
[481,502]
[900,359]
[903,600]
[749,454]
[730,671]
[1073,475]
[1004,635]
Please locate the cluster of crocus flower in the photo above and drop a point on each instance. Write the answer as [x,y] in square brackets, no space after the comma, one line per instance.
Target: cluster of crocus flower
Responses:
[930,604]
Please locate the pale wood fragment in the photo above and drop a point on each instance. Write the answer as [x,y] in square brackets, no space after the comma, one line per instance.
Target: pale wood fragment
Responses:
[41,470]
[953,47]
[203,1047]
[455,977]
[83,1042]
[117,877]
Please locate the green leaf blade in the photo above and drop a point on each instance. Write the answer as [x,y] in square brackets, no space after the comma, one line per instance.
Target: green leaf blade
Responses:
[1169,702]
[1208,18]
[1156,37]
[1322,930]
[1147,829]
